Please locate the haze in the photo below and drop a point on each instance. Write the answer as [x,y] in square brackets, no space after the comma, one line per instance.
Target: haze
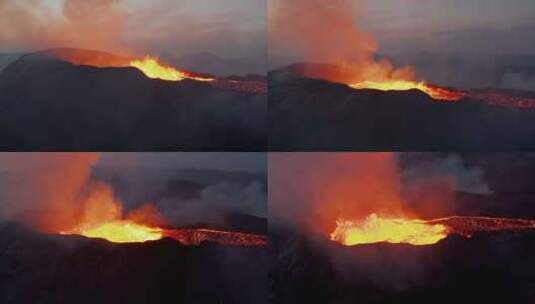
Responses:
[215,30]
[468,26]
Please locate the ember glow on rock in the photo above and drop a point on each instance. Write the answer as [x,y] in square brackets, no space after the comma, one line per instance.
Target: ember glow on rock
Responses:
[120,231]
[376,229]
[152,68]
[195,237]
[404,85]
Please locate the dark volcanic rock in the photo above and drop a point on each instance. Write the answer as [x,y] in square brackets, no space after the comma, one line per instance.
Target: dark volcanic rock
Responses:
[310,114]
[36,268]
[48,104]
[487,268]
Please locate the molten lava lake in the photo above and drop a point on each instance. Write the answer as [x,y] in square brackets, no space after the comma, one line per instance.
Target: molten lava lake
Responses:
[417,232]
[434,92]
[124,231]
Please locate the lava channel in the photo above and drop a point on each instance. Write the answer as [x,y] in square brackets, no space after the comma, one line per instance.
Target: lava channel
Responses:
[195,237]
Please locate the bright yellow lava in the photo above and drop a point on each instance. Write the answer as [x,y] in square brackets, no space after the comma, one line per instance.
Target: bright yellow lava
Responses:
[154,69]
[121,232]
[404,85]
[375,229]
[393,85]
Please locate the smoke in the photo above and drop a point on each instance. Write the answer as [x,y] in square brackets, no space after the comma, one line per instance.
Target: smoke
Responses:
[431,182]
[325,31]
[60,191]
[56,192]
[463,178]
[44,190]
[215,202]
[34,24]
[310,191]
[207,31]
[315,189]
[518,81]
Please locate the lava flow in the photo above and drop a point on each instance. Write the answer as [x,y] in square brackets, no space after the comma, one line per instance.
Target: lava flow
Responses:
[194,237]
[150,66]
[375,229]
[434,92]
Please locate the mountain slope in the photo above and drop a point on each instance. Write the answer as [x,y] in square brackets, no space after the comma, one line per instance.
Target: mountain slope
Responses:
[311,114]
[50,104]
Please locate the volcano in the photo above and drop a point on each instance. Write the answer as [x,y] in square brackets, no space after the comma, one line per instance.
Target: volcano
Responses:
[73,269]
[489,267]
[308,113]
[480,255]
[71,99]
[130,232]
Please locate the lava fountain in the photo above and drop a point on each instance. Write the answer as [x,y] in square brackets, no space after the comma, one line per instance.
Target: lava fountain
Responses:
[376,229]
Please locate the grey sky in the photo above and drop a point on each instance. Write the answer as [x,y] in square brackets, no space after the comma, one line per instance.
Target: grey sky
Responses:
[227,28]
[488,26]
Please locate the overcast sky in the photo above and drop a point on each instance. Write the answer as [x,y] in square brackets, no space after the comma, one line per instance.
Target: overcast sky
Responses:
[401,26]
[489,26]
[228,28]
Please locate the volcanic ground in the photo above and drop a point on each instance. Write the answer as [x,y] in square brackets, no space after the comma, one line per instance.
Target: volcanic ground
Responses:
[312,114]
[44,268]
[487,267]
[47,103]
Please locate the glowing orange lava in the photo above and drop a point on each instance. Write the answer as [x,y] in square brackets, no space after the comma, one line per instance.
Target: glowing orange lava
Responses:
[375,229]
[120,231]
[404,85]
[152,68]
